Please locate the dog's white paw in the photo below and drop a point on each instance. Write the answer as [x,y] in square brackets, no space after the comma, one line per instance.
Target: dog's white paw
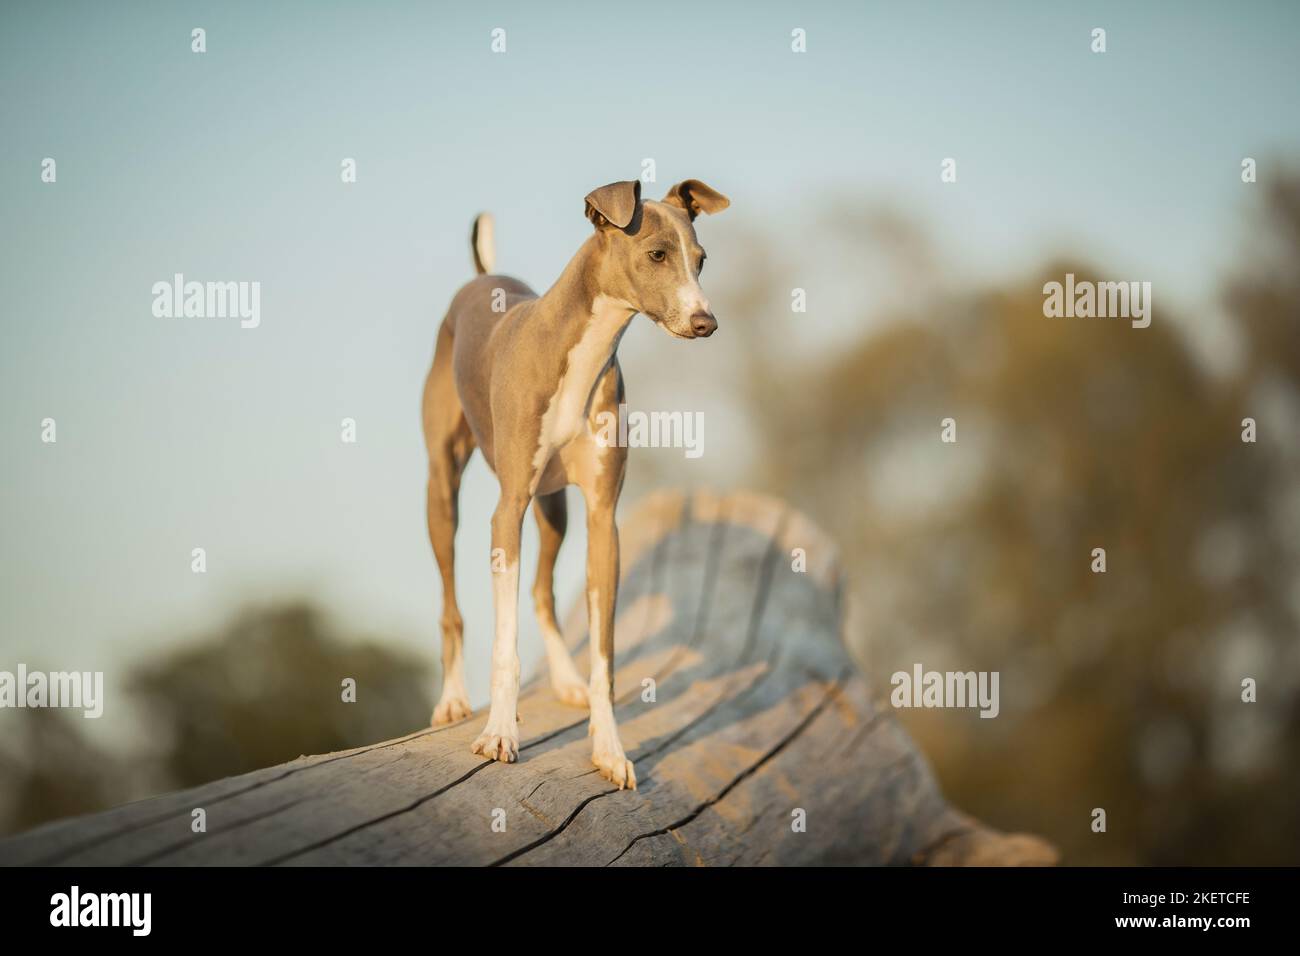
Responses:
[502,746]
[451,708]
[574,694]
[615,767]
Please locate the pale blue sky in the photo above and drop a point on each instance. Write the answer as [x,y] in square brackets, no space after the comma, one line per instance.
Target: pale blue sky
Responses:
[225,166]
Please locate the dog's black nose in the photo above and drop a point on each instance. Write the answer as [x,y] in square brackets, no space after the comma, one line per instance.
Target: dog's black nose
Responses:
[703,324]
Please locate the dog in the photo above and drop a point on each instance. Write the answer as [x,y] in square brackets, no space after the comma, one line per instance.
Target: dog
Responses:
[522,378]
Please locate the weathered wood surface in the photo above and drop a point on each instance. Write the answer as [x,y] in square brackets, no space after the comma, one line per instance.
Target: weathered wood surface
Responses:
[758,711]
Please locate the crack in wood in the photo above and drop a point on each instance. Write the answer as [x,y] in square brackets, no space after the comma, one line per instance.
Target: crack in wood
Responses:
[90,844]
[186,844]
[277,861]
[745,774]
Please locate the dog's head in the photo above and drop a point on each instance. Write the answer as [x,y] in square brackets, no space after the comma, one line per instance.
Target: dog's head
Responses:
[652,258]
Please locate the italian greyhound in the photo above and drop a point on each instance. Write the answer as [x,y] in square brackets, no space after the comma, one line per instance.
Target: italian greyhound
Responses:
[523,378]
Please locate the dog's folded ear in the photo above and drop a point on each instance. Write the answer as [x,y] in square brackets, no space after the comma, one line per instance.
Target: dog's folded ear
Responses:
[615,204]
[695,197]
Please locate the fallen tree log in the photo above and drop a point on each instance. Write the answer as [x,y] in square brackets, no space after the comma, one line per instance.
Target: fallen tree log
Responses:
[756,741]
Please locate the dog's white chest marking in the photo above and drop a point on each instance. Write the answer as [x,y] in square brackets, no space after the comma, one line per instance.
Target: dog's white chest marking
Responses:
[566,413]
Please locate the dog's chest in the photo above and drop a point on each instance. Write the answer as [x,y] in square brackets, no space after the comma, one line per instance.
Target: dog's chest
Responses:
[566,413]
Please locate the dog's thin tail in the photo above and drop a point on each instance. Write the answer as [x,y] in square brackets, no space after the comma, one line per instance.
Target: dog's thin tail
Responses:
[480,240]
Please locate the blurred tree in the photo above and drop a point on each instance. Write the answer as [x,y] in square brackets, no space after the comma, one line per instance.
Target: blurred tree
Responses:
[1119,690]
[263,689]
[269,688]
[50,769]
[1264,295]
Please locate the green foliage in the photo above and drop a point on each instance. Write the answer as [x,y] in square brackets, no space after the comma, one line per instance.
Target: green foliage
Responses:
[1120,690]
[269,688]
[264,689]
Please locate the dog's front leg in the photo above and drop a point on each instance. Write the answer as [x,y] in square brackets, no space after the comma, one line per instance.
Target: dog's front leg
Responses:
[500,738]
[602,596]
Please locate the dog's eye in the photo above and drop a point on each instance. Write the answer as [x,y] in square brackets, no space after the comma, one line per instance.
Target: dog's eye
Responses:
[658,255]
[700,266]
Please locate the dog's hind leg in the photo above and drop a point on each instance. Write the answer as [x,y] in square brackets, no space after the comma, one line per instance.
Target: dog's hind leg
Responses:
[552,513]
[450,443]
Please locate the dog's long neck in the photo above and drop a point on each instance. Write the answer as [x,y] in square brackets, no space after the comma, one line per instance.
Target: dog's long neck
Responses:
[586,321]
